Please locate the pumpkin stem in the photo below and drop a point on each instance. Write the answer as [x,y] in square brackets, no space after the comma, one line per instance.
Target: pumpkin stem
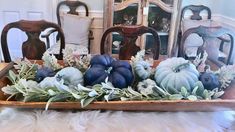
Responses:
[181,66]
[109,70]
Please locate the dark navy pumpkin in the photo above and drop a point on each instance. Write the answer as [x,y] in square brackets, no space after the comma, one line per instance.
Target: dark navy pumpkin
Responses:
[119,73]
[209,80]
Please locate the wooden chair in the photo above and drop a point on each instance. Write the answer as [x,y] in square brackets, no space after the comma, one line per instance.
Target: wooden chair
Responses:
[33,47]
[211,33]
[73,6]
[128,46]
[197,20]
[196,10]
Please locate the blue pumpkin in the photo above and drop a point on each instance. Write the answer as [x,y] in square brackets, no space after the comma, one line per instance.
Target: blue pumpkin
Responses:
[209,80]
[43,73]
[119,73]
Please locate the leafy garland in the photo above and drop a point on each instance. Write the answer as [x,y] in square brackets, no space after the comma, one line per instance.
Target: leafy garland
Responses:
[23,87]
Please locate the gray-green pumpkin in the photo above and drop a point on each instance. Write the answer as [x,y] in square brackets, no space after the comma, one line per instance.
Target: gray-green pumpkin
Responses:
[142,69]
[175,73]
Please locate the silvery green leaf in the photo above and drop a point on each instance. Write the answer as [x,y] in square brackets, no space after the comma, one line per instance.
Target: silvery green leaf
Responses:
[85,102]
[93,93]
[82,88]
[176,97]
[23,68]
[124,99]
[19,88]
[211,93]
[160,91]
[9,90]
[51,92]
[32,83]
[136,98]
[194,92]
[184,92]
[97,87]
[62,87]
[200,89]
[49,102]
[106,97]
[216,90]
[206,94]
[12,76]
[133,92]
[218,94]
[107,85]
[106,80]
[23,83]
[76,96]
[192,97]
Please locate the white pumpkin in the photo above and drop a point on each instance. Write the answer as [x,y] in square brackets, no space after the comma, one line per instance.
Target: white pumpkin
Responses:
[142,69]
[175,73]
[71,75]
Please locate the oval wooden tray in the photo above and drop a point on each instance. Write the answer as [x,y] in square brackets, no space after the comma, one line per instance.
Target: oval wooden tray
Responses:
[226,103]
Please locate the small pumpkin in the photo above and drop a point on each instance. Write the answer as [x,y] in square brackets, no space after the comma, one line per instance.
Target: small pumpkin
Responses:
[175,73]
[146,86]
[71,75]
[209,80]
[142,69]
[43,73]
[119,72]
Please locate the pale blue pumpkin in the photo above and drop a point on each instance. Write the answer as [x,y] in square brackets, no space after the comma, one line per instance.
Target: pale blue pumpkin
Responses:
[142,69]
[175,73]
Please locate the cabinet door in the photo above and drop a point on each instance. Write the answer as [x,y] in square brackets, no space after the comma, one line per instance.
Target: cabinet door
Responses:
[122,12]
[127,12]
[131,12]
[159,18]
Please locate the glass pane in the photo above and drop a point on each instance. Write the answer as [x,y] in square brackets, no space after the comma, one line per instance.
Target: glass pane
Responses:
[127,16]
[117,39]
[158,18]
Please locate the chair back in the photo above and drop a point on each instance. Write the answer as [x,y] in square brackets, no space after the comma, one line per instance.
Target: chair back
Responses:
[128,47]
[33,47]
[223,35]
[196,10]
[72,5]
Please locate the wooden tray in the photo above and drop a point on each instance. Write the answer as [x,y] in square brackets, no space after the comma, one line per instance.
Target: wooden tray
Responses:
[226,103]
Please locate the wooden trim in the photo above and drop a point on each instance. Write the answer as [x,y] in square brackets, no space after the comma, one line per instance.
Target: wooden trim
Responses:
[125,4]
[4,68]
[161,105]
[164,6]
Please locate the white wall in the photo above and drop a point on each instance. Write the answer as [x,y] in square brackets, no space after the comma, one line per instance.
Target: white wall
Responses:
[222,7]
[198,2]
[225,8]
[96,5]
